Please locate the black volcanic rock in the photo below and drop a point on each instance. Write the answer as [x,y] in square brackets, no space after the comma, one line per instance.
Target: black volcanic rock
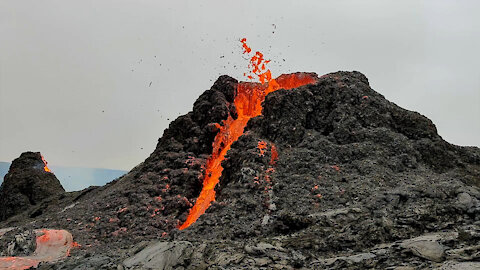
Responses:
[341,145]
[194,132]
[358,183]
[26,184]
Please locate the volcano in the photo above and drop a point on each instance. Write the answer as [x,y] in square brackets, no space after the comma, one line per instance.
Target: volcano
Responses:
[28,182]
[319,173]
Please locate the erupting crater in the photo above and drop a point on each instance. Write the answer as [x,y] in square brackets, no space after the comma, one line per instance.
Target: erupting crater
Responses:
[248,103]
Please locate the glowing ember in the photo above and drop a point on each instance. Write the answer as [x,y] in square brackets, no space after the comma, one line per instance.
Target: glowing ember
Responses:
[262,146]
[336,168]
[248,102]
[45,167]
[274,158]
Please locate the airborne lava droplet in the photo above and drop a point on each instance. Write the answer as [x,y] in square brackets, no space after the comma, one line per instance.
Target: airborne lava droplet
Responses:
[248,102]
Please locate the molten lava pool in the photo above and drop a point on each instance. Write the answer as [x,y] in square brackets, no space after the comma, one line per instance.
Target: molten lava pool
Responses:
[248,102]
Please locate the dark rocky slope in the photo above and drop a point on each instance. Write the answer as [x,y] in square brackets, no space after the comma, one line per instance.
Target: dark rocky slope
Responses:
[358,183]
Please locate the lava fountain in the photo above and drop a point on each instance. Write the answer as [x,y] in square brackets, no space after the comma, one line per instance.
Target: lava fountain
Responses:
[45,167]
[248,102]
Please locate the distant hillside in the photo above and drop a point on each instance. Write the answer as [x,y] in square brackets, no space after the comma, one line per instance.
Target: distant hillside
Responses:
[3,169]
[73,179]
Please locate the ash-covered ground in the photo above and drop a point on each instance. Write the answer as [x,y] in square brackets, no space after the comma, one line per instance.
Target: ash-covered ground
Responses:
[358,183]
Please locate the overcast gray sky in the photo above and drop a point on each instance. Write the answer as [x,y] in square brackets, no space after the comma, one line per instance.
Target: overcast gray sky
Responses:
[75,75]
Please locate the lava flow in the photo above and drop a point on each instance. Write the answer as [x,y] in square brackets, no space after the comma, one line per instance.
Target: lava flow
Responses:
[52,245]
[248,102]
[45,166]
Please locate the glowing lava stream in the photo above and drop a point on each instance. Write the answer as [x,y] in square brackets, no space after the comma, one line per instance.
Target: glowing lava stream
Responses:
[52,245]
[248,102]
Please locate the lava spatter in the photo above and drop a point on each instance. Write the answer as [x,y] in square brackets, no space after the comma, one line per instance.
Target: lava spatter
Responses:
[248,102]
[45,167]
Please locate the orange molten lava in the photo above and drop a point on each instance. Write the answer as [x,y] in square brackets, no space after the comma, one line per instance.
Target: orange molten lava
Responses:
[262,145]
[45,167]
[51,246]
[248,102]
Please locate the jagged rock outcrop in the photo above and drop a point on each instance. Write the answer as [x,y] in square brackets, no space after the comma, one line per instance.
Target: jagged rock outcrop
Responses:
[26,184]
